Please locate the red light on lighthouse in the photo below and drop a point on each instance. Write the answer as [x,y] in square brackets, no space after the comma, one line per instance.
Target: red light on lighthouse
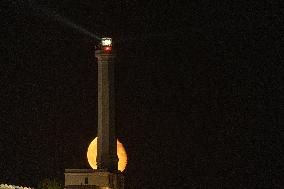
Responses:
[107,49]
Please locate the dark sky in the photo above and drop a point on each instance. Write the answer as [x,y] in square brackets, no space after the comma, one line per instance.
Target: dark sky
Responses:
[199,88]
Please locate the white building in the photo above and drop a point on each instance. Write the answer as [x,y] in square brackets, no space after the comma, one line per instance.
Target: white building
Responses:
[92,179]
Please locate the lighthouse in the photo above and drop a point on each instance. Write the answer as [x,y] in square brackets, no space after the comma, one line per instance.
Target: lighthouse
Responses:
[106,176]
[106,150]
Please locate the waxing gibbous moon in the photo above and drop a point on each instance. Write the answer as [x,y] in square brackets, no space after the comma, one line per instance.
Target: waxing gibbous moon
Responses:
[92,155]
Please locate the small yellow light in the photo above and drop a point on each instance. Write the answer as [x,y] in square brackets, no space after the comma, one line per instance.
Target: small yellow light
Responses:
[106,41]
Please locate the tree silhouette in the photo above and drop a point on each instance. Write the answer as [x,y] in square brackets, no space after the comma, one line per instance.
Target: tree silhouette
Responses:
[49,184]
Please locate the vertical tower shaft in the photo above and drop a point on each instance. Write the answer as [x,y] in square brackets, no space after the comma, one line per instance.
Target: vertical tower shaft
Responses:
[106,149]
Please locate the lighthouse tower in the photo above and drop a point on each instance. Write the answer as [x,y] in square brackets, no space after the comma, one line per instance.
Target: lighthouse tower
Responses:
[107,151]
[107,175]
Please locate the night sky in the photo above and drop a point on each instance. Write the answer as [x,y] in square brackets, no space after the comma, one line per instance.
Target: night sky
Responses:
[199,88]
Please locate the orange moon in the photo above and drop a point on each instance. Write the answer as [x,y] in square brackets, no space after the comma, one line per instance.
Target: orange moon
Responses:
[92,155]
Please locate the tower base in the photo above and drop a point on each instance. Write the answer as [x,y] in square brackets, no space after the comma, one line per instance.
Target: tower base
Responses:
[93,179]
